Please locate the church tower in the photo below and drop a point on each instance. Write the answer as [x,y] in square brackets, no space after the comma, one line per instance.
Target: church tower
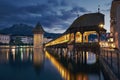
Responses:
[38,36]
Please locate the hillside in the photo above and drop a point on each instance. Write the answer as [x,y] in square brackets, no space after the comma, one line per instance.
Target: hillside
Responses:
[24,30]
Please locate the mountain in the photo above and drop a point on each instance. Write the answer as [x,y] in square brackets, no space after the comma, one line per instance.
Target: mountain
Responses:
[25,30]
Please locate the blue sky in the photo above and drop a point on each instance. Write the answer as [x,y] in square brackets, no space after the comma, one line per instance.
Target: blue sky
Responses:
[54,15]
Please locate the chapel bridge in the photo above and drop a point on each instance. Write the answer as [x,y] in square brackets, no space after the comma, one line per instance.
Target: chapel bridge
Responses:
[76,36]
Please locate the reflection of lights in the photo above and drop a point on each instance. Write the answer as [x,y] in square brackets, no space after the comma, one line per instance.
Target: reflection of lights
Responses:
[21,49]
[63,72]
[27,52]
[31,57]
[21,56]
[13,52]
[7,56]
[38,56]
[91,58]
[82,77]
[87,55]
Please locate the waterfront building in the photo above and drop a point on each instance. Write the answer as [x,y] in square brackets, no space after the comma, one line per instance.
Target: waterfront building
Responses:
[27,40]
[4,39]
[38,36]
[115,22]
[23,39]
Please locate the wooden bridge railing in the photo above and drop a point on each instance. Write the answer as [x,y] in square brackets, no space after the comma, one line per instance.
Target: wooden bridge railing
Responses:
[112,58]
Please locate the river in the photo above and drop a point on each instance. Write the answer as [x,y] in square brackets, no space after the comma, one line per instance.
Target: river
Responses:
[26,63]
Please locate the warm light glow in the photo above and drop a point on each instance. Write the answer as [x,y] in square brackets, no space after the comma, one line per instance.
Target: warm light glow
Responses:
[63,71]
[111,39]
[113,45]
[13,52]
[62,39]
[107,44]
[70,37]
[104,44]
[38,56]
[78,37]
[101,25]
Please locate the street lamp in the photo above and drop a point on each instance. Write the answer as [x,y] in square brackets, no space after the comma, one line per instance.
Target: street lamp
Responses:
[101,25]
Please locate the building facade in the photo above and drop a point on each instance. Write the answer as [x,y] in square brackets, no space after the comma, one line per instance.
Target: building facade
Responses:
[22,39]
[115,22]
[4,39]
[38,36]
[27,40]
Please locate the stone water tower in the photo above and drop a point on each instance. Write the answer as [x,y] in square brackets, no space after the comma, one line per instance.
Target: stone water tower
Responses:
[38,36]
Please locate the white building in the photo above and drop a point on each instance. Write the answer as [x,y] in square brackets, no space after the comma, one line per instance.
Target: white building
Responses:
[5,39]
[23,39]
[27,40]
[115,22]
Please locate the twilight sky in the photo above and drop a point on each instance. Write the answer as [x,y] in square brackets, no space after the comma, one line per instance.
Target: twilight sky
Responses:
[54,15]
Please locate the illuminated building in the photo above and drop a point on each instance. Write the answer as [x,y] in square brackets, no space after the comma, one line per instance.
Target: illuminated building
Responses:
[38,36]
[5,39]
[115,22]
[23,39]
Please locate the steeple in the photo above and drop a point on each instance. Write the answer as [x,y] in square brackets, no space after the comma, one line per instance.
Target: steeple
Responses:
[38,29]
[98,8]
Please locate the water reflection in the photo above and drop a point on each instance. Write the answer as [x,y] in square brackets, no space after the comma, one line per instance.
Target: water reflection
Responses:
[26,63]
[4,58]
[21,55]
[91,58]
[78,72]
[38,59]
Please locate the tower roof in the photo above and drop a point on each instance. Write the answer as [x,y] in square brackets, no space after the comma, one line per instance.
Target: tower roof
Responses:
[38,28]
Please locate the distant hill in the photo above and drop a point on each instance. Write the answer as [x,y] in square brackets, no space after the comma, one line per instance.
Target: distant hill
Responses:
[24,30]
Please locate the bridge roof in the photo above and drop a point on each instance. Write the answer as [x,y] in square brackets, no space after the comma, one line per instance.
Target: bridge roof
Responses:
[88,21]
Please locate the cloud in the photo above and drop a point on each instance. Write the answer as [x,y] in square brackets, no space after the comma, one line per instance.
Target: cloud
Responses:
[54,15]
[80,9]
[108,3]
[106,10]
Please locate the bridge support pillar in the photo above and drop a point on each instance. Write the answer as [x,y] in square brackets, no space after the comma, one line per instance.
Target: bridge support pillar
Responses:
[74,43]
[85,57]
[82,57]
[82,36]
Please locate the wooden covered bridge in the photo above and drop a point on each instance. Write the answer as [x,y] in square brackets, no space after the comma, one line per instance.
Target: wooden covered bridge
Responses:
[76,36]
